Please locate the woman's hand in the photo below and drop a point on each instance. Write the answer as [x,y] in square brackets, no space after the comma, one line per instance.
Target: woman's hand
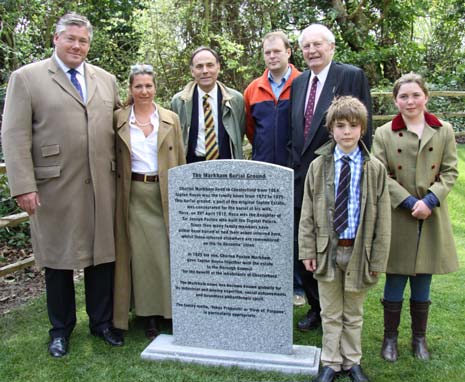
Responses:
[421,211]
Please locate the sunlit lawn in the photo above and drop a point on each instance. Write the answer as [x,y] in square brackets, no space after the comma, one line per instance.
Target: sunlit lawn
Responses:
[24,357]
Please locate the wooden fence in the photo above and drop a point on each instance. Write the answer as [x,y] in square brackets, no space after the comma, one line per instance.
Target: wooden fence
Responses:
[442,114]
[14,220]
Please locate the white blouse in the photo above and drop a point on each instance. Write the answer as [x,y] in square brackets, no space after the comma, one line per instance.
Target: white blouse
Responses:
[144,150]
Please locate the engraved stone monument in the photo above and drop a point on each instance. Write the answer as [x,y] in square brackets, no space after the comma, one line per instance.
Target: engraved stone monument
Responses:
[231,246]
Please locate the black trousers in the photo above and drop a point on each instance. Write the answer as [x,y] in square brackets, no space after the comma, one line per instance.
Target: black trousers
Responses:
[309,284]
[61,303]
[194,159]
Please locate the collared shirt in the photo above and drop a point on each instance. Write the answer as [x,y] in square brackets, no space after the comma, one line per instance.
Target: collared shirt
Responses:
[144,150]
[356,167]
[213,101]
[80,75]
[278,88]
[319,87]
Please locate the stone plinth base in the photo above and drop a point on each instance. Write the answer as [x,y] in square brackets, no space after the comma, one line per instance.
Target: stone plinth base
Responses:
[303,360]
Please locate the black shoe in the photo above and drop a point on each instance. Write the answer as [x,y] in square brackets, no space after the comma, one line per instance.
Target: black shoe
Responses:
[58,347]
[110,337]
[310,322]
[356,374]
[326,374]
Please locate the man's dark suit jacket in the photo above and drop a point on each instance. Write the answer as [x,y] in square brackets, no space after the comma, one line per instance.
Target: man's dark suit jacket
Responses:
[342,80]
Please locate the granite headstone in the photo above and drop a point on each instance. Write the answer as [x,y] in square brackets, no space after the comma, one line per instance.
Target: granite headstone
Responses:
[231,248]
[231,256]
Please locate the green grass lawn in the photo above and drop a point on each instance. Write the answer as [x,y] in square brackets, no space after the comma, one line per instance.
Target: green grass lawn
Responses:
[24,338]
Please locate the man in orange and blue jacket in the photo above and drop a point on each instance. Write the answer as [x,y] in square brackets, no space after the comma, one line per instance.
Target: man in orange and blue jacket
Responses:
[267,102]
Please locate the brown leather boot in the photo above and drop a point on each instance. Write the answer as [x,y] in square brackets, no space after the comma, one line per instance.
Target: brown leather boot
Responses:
[392,310]
[419,313]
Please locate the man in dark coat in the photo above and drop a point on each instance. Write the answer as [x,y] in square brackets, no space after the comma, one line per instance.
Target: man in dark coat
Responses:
[311,95]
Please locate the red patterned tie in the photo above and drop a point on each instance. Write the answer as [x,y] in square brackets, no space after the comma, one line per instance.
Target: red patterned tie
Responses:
[310,107]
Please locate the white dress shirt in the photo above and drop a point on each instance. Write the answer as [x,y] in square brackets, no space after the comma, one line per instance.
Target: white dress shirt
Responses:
[144,150]
[319,87]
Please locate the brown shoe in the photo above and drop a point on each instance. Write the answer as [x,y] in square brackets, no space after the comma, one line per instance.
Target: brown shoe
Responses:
[389,350]
[420,348]
[151,327]
[392,312]
[419,314]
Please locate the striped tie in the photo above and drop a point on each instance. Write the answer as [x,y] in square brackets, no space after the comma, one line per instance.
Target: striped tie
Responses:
[211,145]
[72,72]
[341,213]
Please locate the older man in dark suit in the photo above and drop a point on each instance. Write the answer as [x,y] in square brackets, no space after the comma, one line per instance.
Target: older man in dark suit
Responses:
[58,142]
[311,95]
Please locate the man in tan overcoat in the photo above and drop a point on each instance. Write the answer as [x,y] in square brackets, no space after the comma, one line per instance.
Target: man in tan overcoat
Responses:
[58,143]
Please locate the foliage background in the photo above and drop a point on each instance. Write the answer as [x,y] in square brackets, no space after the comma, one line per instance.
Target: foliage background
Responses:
[384,37]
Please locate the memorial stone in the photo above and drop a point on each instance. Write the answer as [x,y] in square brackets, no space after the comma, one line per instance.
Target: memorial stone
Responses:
[231,248]
[231,256]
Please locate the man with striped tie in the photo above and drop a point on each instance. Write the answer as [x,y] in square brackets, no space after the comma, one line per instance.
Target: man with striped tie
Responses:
[344,234]
[212,115]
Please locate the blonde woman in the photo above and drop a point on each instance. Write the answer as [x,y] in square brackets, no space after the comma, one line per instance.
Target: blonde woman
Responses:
[148,143]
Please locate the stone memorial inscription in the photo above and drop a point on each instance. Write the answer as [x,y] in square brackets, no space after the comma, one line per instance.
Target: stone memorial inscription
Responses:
[231,250]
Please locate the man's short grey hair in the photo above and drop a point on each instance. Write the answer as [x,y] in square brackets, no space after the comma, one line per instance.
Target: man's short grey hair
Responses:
[73,19]
[328,35]
[201,49]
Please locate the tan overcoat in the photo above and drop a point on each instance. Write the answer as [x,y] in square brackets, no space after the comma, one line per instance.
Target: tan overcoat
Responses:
[414,169]
[63,149]
[317,238]
[170,154]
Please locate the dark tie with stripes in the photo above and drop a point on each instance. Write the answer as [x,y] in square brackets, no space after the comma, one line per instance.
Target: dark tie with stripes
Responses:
[341,213]
[211,145]
[75,81]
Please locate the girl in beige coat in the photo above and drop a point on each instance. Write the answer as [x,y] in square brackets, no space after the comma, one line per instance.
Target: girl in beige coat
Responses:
[419,153]
[148,143]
